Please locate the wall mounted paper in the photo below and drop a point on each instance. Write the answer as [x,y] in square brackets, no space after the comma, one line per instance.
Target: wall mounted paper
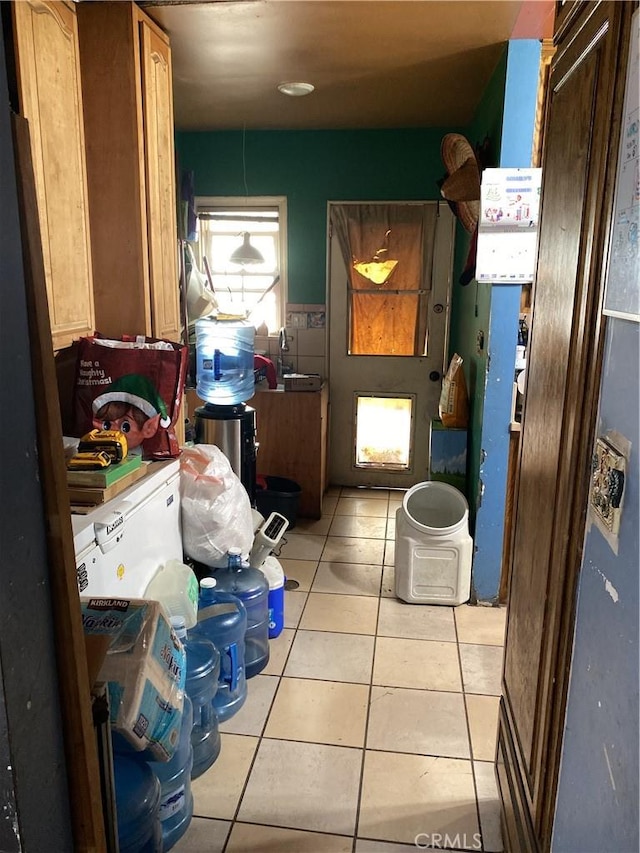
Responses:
[622,288]
[508,228]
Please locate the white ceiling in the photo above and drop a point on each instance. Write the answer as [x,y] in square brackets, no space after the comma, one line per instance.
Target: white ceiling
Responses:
[374,63]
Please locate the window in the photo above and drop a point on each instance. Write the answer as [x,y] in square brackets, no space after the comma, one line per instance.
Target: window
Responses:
[258,288]
[383,431]
[389,253]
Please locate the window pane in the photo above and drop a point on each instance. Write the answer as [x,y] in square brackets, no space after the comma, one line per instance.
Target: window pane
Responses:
[383,432]
[383,324]
[243,288]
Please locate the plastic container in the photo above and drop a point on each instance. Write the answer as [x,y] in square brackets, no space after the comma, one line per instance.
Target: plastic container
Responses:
[274,573]
[224,360]
[176,799]
[137,790]
[222,619]
[201,686]
[433,548]
[175,586]
[251,587]
[280,495]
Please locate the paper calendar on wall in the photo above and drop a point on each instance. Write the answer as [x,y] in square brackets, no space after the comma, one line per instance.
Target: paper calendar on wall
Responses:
[508,228]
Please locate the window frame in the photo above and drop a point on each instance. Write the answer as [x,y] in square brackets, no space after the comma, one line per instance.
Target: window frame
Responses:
[204,204]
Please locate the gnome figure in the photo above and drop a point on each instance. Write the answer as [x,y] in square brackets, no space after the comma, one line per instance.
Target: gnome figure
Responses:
[132,405]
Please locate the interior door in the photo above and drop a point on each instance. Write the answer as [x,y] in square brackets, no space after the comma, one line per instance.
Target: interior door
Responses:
[565,350]
[414,381]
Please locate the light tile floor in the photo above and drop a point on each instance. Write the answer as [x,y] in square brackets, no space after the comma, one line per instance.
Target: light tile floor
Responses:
[373,728]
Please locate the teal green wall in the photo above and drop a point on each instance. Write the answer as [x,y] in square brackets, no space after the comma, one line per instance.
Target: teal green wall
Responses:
[471,305]
[311,168]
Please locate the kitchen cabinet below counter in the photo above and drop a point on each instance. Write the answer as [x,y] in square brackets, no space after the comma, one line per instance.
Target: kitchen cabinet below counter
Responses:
[291,431]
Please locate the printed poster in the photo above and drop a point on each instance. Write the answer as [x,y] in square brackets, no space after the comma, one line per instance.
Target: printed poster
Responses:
[508,228]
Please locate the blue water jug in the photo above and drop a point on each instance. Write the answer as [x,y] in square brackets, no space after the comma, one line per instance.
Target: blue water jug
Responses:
[176,799]
[224,360]
[274,573]
[203,671]
[252,588]
[137,791]
[222,619]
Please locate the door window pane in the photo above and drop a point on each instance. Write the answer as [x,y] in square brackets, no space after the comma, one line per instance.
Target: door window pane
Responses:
[383,432]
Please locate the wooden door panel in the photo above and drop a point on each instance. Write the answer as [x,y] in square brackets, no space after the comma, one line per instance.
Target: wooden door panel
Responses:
[560,412]
[549,355]
[161,194]
[110,63]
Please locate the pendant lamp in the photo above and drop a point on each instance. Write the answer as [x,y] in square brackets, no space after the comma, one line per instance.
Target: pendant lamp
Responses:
[246,254]
[380,267]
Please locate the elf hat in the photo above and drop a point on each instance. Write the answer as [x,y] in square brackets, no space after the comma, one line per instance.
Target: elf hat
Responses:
[138,391]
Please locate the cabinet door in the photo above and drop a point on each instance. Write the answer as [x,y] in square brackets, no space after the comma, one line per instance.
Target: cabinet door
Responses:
[46,45]
[157,102]
[112,102]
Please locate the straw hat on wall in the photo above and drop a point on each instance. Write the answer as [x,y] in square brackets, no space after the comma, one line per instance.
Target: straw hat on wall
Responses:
[462,186]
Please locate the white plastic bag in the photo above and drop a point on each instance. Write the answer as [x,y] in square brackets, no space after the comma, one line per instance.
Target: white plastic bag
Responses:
[216,511]
[201,300]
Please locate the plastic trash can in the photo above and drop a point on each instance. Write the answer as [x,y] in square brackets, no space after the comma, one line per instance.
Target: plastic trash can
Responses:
[277,494]
[433,548]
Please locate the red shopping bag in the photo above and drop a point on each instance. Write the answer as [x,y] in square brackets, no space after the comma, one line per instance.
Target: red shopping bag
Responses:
[136,385]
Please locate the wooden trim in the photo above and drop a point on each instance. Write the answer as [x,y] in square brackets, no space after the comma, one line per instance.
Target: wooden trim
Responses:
[75,699]
[517,832]
[507,542]
[547,53]
[566,12]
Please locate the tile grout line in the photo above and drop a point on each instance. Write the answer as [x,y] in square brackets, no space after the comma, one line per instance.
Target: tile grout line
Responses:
[468,724]
[356,826]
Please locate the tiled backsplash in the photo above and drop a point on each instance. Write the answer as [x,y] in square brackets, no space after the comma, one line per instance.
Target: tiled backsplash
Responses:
[306,340]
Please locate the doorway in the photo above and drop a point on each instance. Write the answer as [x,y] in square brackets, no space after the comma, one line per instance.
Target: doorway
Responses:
[388,335]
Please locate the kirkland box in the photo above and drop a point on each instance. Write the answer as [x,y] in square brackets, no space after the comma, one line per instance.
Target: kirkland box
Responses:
[144,669]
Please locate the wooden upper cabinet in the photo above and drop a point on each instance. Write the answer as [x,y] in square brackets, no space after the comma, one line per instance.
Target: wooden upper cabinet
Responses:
[128,120]
[50,98]
[160,175]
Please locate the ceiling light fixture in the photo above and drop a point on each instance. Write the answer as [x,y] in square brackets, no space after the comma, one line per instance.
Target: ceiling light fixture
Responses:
[246,253]
[296,90]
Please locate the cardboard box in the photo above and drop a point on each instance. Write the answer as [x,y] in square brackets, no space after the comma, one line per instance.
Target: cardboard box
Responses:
[302,382]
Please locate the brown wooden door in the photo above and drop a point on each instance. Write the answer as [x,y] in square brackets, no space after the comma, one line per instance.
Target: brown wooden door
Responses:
[563,366]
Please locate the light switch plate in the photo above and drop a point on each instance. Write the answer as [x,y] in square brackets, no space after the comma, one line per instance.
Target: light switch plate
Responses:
[607,484]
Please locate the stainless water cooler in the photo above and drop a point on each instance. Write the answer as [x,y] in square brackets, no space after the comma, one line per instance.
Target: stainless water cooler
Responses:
[233,430]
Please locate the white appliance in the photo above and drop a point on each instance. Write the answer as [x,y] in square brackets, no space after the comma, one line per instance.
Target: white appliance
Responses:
[121,544]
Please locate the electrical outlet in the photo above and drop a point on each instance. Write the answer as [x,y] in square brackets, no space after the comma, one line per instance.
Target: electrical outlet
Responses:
[607,484]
